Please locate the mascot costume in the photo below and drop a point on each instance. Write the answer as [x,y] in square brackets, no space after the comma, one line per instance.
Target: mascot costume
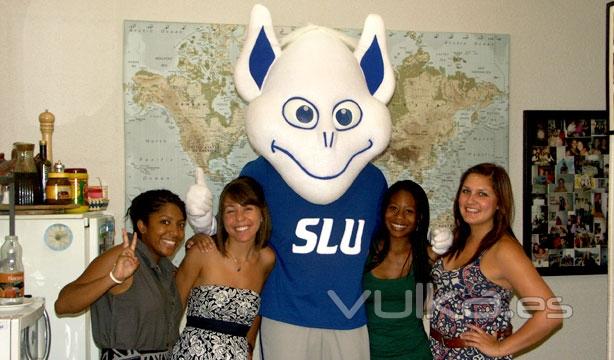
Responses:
[317,116]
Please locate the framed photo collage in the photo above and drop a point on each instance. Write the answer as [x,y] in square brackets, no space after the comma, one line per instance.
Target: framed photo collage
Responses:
[565,191]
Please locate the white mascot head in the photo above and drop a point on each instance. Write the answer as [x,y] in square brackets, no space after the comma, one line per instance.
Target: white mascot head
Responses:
[317,112]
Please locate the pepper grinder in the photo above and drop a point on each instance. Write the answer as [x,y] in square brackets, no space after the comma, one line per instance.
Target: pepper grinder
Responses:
[46,120]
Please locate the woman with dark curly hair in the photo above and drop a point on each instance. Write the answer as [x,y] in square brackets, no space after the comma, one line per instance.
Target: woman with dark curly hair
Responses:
[131,289]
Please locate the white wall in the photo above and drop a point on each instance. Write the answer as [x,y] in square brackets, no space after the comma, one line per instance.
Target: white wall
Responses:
[66,56]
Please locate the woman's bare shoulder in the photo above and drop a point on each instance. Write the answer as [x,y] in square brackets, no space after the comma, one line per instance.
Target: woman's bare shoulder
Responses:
[196,258]
[508,245]
[505,257]
[508,254]
[267,255]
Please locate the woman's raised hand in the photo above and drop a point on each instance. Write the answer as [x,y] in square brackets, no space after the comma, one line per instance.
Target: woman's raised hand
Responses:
[127,262]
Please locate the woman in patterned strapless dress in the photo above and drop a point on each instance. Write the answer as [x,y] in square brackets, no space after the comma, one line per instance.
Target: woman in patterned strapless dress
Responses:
[475,279]
[223,284]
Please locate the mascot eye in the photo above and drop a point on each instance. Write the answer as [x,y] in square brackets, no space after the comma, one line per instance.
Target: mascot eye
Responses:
[300,113]
[346,114]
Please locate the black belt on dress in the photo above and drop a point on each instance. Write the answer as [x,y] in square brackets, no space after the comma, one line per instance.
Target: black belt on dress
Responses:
[220,326]
[112,354]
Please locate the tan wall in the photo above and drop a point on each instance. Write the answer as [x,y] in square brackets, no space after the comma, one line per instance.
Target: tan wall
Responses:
[66,56]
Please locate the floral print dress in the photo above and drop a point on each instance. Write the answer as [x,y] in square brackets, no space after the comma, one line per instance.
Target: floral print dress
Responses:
[220,303]
[465,296]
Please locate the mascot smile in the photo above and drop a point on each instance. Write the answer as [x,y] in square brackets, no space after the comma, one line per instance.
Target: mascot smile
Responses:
[320,177]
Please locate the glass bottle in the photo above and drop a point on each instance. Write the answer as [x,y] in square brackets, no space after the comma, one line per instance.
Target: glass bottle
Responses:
[43,167]
[11,272]
[27,186]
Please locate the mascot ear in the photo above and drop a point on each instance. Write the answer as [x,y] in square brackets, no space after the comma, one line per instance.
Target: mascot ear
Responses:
[260,50]
[372,54]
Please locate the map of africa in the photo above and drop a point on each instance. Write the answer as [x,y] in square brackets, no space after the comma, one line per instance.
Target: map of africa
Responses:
[449,111]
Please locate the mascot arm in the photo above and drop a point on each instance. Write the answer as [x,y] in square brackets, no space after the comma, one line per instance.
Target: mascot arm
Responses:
[199,204]
[440,240]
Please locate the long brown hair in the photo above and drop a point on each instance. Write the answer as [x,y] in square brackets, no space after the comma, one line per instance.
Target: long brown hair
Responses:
[504,214]
[245,191]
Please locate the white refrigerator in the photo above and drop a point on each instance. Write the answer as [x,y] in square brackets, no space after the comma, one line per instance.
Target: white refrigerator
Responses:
[56,250]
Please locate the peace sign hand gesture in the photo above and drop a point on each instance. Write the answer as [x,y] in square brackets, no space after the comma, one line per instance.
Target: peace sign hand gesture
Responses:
[127,262]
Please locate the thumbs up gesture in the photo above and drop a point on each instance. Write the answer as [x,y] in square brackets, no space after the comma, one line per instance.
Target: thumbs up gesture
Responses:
[199,203]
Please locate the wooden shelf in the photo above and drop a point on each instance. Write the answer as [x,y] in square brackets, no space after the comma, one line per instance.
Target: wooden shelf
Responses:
[38,209]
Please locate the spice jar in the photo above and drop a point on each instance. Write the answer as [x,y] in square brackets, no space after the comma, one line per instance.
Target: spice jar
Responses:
[78,185]
[58,189]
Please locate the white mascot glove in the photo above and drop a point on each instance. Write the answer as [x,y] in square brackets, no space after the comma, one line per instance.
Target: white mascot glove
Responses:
[440,239]
[199,203]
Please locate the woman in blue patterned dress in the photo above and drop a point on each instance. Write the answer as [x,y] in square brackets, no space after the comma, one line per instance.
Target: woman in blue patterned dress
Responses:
[222,286]
[475,279]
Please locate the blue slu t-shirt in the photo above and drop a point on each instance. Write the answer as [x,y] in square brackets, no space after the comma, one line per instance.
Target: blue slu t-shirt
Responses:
[321,250]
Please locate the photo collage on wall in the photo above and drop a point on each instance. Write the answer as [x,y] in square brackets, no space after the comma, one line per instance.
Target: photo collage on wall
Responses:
[569,184]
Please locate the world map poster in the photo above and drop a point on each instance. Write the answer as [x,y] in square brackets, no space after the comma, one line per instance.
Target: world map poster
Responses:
[181,109]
